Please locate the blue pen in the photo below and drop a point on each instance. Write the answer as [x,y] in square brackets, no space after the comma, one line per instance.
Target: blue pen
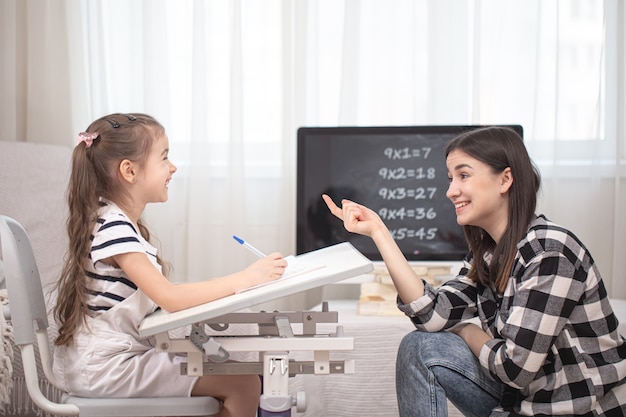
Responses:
[250,247]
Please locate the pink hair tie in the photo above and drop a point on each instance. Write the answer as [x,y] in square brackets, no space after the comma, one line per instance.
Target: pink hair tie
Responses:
[87,137]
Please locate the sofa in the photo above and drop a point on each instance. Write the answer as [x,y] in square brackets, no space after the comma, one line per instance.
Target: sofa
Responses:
[33,179]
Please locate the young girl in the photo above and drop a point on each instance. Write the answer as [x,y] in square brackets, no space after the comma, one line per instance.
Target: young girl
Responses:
[547,343]
[112,277]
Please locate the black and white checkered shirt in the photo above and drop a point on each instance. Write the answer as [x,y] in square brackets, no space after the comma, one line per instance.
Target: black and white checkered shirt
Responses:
[555,339]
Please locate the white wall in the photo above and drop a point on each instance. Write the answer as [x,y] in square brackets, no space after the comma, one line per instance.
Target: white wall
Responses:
[588,212]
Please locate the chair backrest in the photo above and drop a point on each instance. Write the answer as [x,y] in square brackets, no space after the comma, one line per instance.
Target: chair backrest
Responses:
[27,303]
[27,309]
[29,317]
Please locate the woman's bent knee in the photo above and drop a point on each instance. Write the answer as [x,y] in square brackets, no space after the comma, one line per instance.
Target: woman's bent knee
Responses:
[427,347]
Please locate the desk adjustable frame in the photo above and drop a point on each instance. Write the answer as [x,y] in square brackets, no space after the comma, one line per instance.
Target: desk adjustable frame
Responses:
[208,354]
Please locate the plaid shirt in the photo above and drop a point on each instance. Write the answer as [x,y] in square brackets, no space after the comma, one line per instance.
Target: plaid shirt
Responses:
[555,340]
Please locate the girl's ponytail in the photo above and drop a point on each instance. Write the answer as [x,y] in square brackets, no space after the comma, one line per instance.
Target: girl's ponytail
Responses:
[82,198]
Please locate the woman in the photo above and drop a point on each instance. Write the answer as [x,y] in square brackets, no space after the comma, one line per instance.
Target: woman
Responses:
[546,342]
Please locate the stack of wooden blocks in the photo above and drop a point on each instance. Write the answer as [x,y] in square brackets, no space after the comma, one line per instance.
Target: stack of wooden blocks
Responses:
[378,298]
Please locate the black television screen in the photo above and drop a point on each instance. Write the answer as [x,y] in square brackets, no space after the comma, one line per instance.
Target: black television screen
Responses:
[399,172]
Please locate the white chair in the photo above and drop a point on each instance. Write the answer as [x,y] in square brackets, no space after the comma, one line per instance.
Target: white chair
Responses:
[28,315]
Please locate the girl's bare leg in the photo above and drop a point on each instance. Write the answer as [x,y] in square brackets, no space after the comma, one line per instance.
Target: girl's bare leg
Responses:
[239,394]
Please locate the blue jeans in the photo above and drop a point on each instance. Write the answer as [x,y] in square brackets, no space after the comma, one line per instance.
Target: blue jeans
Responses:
[433,367]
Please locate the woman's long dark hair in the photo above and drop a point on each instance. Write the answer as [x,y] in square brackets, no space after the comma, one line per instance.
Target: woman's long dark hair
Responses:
[500,148]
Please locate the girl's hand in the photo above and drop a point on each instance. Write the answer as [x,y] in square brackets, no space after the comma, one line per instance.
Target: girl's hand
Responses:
[266,269]
[356,218]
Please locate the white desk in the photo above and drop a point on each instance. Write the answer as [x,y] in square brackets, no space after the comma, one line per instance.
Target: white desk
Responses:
[341,261]
[275,338]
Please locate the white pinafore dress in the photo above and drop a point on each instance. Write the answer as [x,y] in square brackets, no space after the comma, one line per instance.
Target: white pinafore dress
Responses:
[107,358]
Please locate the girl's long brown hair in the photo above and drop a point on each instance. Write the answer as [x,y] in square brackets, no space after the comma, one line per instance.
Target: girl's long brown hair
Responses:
[94,174]
[500,148]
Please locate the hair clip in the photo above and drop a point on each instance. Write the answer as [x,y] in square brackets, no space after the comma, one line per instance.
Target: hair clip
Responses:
[131,117]
[113,123]
[88,138]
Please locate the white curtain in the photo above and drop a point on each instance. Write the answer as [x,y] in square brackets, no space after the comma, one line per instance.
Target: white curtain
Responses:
[233,80]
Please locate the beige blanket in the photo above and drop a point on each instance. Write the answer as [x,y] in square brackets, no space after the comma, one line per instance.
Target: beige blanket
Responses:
[6,357]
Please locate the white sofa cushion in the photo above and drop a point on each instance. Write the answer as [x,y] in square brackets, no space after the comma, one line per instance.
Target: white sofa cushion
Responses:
[33,180]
